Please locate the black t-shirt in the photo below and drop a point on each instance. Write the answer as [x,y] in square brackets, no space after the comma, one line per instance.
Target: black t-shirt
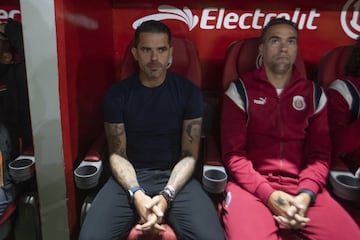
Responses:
[153,118]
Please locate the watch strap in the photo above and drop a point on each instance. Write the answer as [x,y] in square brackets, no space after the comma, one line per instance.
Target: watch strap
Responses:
[168,193]
[133,190]
[310,193]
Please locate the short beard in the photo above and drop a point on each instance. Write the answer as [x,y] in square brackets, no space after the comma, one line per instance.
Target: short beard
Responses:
[280,68]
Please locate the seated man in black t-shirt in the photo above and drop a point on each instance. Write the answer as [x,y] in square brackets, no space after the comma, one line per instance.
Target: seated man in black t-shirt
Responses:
[153,125]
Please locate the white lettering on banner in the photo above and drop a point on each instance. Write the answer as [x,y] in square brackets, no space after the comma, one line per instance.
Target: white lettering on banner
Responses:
[217,18]
[351,27]
[214,18]
[170,12]
[4,15]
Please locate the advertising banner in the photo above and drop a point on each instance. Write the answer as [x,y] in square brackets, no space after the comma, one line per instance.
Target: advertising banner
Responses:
[213,25]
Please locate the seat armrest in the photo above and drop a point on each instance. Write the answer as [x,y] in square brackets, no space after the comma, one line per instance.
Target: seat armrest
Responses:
[97,149]
[88,173]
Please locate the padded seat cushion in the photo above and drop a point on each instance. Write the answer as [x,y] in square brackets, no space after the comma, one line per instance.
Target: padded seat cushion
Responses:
[168,234]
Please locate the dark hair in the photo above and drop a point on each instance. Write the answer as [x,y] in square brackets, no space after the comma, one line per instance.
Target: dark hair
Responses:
[151,26]
[277,21]
[352,67]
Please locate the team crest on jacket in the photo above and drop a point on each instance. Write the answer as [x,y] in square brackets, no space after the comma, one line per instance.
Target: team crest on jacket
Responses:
[298,103]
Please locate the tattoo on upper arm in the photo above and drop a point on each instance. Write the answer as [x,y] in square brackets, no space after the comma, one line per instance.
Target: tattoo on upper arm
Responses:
[116,138]
[185,154]
[116,130]
[193,129]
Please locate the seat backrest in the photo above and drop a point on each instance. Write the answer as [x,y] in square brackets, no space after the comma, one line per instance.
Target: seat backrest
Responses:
[185,61]
[332,65]
[243,56]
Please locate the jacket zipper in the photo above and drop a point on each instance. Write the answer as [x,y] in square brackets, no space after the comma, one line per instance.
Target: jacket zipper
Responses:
[281,129]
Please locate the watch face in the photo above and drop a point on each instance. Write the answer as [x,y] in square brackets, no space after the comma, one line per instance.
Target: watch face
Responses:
[131,193]
[133,190]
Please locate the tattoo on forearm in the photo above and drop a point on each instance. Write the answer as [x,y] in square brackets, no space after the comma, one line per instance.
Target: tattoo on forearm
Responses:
[181,173]
[193,129]
[280,201]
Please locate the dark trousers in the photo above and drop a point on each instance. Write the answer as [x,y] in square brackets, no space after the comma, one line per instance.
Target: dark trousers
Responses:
[192,215]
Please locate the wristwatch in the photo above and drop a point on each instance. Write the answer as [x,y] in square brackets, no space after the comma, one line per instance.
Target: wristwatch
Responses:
[310,193]
[132,192]
[168,193]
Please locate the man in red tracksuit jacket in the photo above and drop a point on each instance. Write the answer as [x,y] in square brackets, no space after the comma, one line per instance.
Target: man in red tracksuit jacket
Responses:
[344,114]
[276,149]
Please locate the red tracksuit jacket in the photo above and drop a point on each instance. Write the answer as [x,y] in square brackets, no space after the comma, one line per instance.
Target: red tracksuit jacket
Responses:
[344,130]
[281,135]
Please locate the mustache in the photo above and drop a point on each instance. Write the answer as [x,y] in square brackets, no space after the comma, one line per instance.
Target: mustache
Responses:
[282,55]
[154,64]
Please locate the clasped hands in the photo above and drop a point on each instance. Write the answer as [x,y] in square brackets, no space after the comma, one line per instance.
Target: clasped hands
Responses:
[289,211]
[151,212]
